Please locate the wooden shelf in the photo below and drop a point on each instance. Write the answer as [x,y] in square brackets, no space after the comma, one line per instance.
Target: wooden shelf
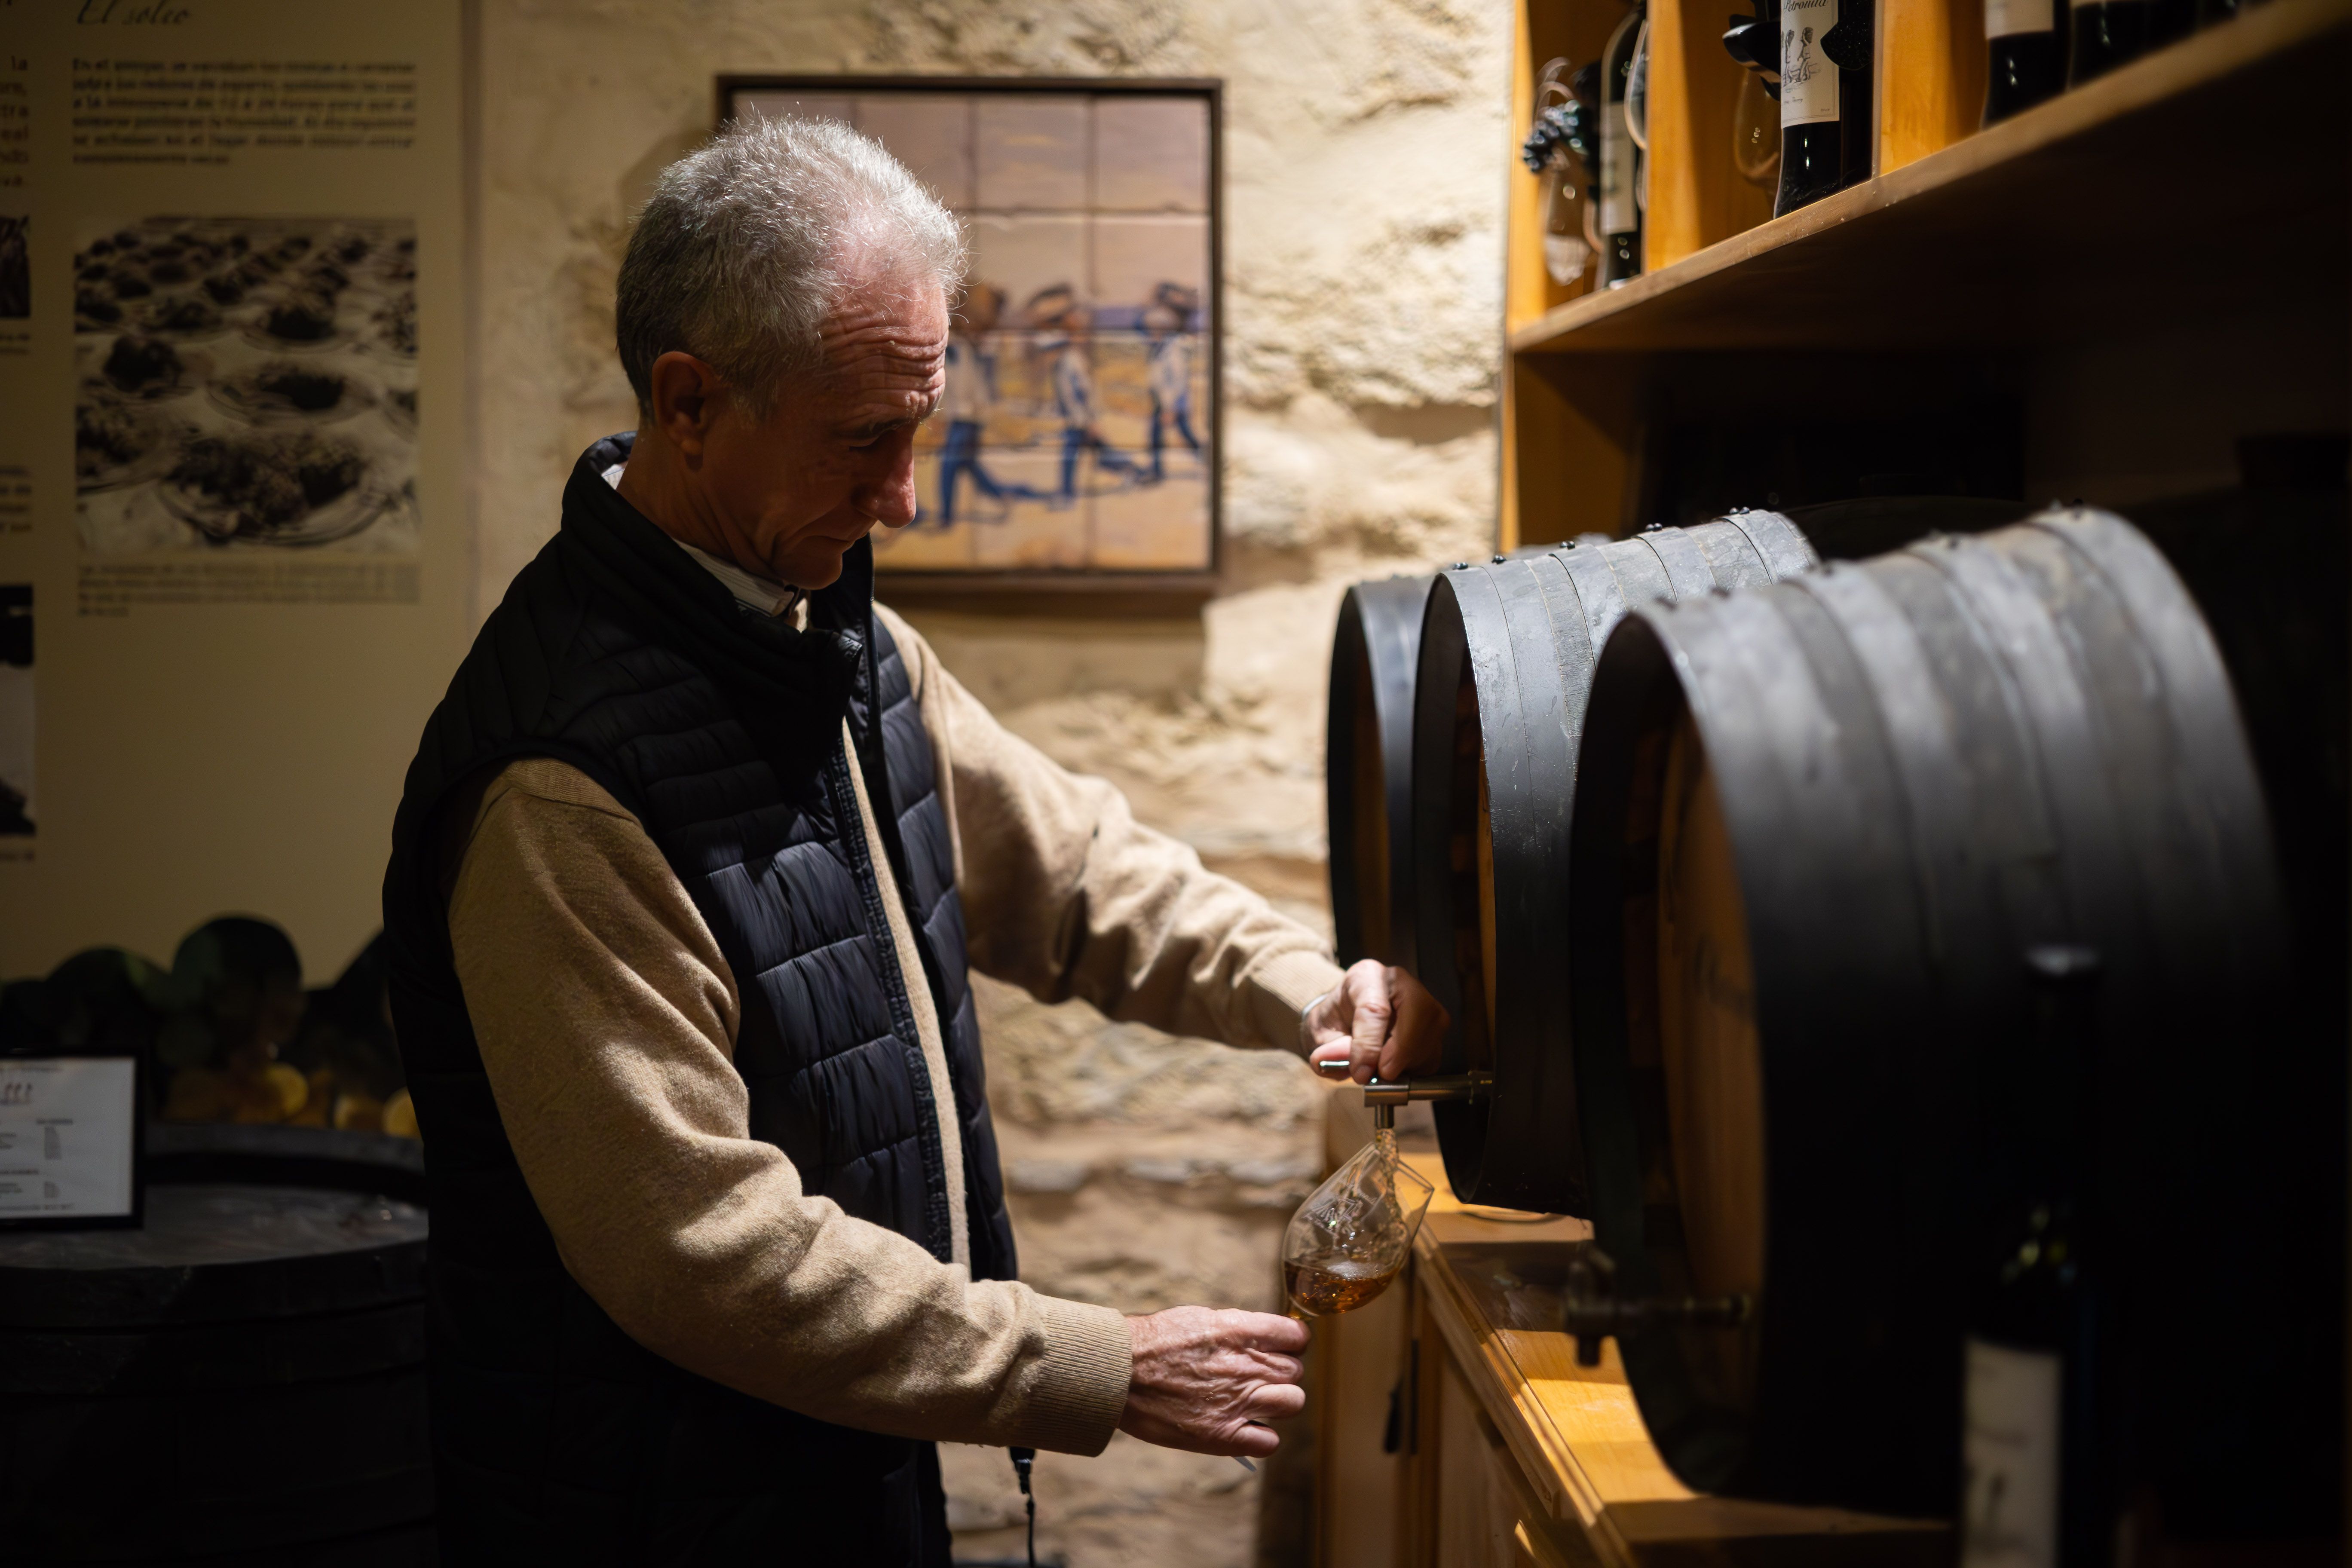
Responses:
[1588,1483]
[2164,188]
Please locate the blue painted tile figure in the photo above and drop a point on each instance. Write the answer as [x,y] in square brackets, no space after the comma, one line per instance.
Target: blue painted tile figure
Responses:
[1063,323]
[970,393]
[1168,370]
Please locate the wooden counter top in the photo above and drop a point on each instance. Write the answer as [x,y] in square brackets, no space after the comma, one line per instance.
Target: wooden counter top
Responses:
[1575,1432]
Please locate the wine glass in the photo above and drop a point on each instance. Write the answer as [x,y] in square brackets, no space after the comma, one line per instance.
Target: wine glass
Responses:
[1350,1238]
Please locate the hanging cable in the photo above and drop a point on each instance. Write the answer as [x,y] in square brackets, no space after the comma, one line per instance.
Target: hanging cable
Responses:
[1023,1461]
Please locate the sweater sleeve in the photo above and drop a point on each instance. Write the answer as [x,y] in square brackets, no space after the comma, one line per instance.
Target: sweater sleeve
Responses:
[1065,894]
[606,1017]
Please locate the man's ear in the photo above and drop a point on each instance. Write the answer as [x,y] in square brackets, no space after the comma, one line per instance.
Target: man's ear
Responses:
[685,396]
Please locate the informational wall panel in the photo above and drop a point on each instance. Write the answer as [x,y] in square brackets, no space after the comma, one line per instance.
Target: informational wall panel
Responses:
[232,459]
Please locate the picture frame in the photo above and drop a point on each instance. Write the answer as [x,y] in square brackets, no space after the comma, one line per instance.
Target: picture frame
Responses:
[1076,450]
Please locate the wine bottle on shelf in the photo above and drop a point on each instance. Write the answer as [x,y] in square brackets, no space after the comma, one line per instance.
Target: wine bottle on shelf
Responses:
[1621,171]
[2034,1477]
[2107,33]
[2026,44]
[1827,131]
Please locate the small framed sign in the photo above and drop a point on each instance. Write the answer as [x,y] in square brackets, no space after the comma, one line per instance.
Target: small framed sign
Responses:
[70,1143]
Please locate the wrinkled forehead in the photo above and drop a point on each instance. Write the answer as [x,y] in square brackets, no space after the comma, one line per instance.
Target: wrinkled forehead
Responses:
[887,316]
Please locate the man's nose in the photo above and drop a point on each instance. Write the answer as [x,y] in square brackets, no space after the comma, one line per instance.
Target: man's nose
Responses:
[888,496]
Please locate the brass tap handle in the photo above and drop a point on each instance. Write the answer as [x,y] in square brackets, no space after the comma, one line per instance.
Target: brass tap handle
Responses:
[1454,1085]
[1384,1092]
[1383,1097]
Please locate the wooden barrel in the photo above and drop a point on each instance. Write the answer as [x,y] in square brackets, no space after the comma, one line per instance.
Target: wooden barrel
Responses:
[1824,832]
[1505,658]
[1368,768]
[242,1380]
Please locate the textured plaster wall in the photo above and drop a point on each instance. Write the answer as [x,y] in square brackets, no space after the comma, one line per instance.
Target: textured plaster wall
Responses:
[1363,145]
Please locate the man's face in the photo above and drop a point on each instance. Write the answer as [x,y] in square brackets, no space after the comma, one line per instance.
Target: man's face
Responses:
[835,455]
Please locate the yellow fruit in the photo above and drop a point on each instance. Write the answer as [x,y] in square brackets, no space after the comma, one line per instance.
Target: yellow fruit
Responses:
[198,1094]
[400,1116]
[277,1093]
[293,1091]
[356,1112]
[319,1095]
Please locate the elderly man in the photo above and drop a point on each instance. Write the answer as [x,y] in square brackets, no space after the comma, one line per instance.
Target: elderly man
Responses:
[691,863]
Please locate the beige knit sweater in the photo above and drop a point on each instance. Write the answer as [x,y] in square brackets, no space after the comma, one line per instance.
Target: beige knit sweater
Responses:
[607,1018]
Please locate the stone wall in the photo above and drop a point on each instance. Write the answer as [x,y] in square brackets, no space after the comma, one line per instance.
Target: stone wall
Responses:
[1363,140]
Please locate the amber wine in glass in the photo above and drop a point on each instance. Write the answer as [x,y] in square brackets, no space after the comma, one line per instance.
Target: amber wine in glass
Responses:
[1350,1238]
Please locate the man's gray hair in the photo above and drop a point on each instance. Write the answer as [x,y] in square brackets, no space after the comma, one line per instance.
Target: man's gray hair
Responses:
[748,246]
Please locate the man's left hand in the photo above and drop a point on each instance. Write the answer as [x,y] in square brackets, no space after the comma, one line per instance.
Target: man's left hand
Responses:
[1380,1021]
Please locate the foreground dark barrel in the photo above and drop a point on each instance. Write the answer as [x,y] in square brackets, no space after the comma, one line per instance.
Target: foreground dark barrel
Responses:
[1507,653]
[1368,768]
[1826,833]
[241,1381]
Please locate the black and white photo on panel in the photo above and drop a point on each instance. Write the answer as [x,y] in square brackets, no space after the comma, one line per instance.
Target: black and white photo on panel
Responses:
[246,383]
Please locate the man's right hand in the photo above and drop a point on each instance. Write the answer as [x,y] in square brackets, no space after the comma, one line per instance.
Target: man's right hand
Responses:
[1202,1378]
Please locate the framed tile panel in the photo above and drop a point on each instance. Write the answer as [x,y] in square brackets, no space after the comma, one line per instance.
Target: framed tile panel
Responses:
[1077,446]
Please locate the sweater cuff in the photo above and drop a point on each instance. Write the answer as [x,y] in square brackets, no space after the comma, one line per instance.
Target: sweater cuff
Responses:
[1282,988]
[1081,1390]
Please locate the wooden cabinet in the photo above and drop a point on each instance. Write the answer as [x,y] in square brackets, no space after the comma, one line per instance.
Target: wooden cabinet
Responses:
[1506,1454]
[1485,1515]
[1365,1396]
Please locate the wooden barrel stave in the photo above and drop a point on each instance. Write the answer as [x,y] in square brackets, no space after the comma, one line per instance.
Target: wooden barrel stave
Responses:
[1688,573]
[1368,770]
[1734,559]
[1786,549]
[1519,686]
[1641,575]
[2027,742]
[1506,665]
[1599,601]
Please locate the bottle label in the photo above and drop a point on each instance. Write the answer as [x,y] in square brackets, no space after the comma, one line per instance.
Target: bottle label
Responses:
[2003,18]
[1809,82]
[1617,213]
[2008,1516]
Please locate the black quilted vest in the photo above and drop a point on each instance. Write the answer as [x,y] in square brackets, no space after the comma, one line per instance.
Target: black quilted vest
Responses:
[558,1438]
